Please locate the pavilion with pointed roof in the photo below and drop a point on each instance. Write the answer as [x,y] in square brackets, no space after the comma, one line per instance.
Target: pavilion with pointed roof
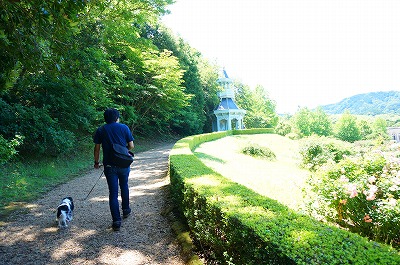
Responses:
[227,113]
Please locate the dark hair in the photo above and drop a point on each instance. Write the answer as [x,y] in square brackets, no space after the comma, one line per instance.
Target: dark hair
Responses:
[111,115]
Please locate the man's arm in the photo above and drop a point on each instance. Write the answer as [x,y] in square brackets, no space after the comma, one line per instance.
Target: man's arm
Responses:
[130,145]
[96,153]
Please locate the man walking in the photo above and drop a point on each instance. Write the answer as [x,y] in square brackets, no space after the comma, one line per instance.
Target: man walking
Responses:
[111,133]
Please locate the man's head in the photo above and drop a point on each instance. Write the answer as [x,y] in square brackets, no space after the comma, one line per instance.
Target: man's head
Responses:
[111,115]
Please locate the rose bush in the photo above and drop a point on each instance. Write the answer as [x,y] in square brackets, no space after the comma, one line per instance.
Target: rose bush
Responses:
[361,193]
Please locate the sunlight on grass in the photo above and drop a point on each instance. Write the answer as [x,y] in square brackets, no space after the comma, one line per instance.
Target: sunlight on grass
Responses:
[281,179]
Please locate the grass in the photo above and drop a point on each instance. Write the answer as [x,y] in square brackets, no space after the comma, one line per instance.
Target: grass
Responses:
[23,182]
[280,179]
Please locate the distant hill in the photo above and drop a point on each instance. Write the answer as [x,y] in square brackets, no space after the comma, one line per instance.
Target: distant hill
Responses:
[373,103]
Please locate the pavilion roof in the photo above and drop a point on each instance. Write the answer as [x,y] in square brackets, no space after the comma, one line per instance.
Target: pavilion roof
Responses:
[226,103]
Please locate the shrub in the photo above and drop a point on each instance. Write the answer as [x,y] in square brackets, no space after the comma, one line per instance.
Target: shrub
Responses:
[8,148]
[42,134]
[283,128]
[316,151]
[293,136]
[256,150]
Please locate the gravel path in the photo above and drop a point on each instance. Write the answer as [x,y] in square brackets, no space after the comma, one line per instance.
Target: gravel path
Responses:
[145,236]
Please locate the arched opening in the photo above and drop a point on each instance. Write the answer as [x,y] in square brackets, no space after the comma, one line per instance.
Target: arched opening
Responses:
[234,124]
[223,125]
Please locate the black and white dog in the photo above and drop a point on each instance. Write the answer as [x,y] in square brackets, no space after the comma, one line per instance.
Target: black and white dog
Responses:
[65,212]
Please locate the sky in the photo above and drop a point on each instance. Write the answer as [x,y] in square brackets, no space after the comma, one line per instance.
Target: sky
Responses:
[305,53]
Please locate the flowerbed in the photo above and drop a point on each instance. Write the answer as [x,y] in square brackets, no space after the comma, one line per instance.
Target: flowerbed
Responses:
[362,194]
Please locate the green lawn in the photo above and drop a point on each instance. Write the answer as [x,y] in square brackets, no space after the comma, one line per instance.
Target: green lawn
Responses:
[282,179]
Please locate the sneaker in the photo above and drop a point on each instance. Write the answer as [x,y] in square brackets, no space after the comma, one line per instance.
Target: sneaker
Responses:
[116,226]
[126,213]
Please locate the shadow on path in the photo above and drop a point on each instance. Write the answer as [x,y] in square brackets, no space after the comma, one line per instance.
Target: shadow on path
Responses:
[145,236]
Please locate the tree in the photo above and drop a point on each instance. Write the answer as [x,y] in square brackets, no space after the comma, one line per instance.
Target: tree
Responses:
[199,81]
[365,129]
[321,124]
[260,109]
[347,129]
[75,63]
[302,121]
[33,36]
[309,122]
[380,127]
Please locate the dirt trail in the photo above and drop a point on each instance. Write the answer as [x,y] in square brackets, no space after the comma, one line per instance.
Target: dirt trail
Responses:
[145,236]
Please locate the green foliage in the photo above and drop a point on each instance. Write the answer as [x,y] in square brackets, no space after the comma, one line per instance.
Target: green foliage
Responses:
[365,129]
[42,134]
[347,128]
[379,128]
[199,81]
[361,194]
[316,151]
[258,151]
[8,148]
[283,128]
[260,109]
[240,226]
[33,36]
[309,122]
[293,136]
[71,64]
[24,181]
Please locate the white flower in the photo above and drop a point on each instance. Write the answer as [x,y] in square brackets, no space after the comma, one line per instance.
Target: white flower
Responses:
[392,202]
[343,178]
[396,180]
[373,189]
[371,179]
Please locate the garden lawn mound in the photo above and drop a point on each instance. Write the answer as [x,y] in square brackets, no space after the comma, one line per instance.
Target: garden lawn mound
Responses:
[281,179]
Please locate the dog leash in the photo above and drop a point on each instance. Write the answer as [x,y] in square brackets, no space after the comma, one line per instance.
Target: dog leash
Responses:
[94,185]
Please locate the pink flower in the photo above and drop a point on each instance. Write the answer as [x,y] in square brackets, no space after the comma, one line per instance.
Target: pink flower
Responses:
[371,197]
[352,190]
[370,194]
[367,219]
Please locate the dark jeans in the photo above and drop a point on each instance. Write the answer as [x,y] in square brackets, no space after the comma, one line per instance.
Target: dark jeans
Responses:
[114,176]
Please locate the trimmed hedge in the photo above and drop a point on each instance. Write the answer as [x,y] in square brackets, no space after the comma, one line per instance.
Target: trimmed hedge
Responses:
[243,227]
